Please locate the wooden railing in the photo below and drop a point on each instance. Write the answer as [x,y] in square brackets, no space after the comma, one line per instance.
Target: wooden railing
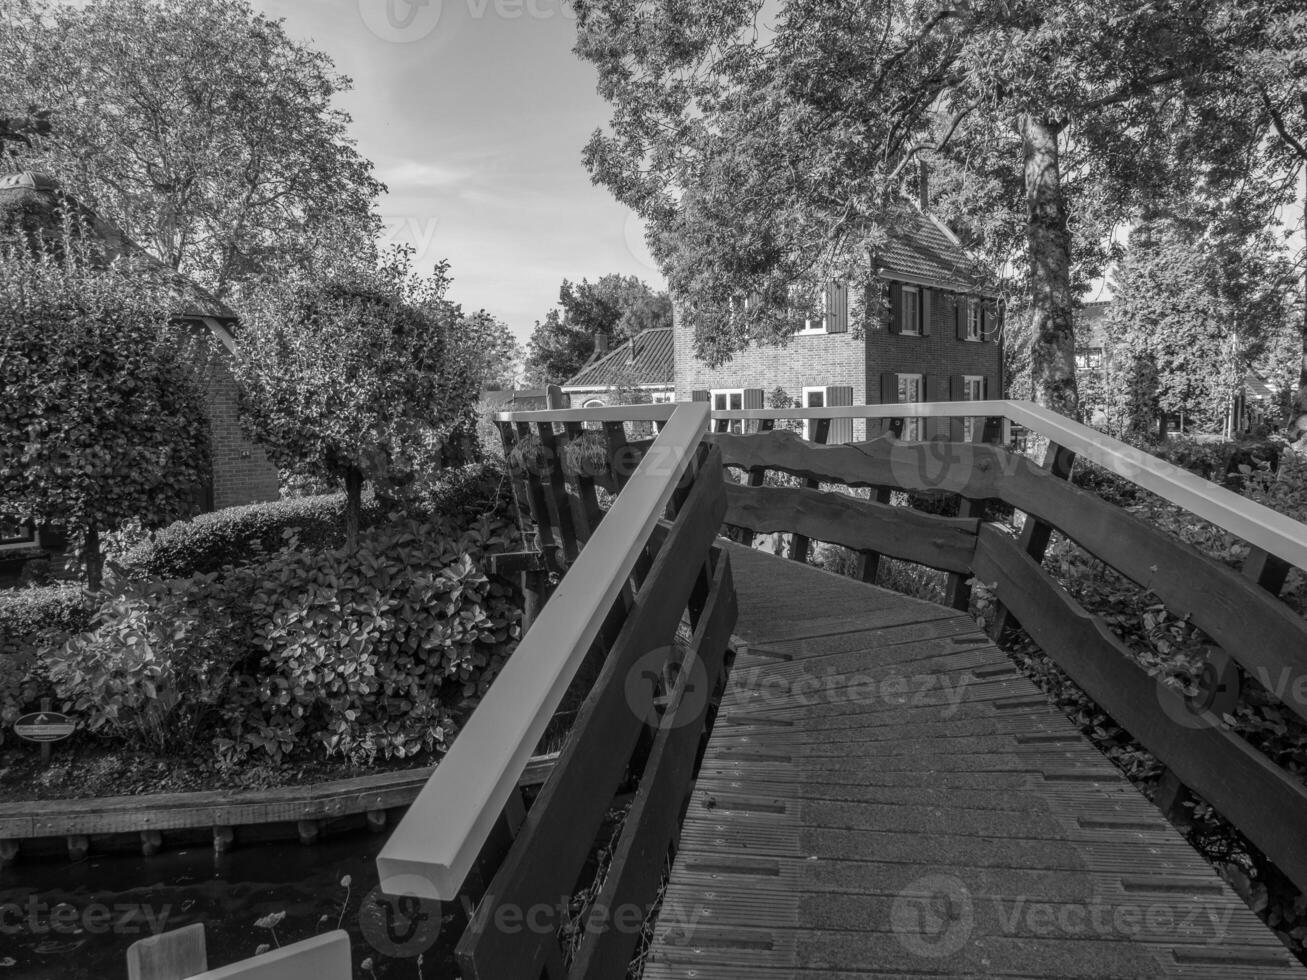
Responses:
[644,598]
[1238,610]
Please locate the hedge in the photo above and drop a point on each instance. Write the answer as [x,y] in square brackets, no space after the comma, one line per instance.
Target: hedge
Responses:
[27,612]
[239,535]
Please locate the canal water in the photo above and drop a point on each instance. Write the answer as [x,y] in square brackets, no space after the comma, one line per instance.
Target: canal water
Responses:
[62,921]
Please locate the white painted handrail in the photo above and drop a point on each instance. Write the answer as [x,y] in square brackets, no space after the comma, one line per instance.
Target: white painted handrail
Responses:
[603,413]
[1260,526]
[434,846]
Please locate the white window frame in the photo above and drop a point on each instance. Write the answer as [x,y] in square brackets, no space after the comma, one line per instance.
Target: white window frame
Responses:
[910,326]
[16,544]
[810,425]
[822,317]
[973,390]
[662,397]
[974,331]
[735,425]
[911,427]
[594,403]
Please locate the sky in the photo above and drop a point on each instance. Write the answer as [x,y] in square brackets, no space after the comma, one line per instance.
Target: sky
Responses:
[475,113]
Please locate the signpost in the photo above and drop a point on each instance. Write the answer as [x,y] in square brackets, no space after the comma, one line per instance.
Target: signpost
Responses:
[44,726]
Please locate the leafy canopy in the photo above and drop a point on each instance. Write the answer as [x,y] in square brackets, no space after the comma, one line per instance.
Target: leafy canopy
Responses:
[102,418]
[197,126]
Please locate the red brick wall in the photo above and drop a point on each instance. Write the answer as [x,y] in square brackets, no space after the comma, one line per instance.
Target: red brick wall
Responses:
[846,359]
[242,473]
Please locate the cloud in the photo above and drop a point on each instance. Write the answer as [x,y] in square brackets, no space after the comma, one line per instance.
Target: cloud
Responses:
[416,175]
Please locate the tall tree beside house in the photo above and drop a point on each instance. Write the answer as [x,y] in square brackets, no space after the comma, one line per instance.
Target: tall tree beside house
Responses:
[614,308]
[102,419]
[766,146]
[359,376]
[198,127]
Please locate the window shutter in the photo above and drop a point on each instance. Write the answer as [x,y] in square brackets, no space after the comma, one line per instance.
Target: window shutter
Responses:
[924,308]
[752,399]
[957,392]
[895,306]
[700,395]
[889,388]
[837,308]
[841,430]
[960,317]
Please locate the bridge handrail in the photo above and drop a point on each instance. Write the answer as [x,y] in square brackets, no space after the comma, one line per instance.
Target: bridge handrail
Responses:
[449,823]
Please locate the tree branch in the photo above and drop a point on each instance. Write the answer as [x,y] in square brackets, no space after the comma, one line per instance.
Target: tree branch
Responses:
[1278,121]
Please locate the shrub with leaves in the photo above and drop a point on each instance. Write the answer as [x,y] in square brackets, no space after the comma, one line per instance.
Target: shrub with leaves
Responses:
[372,652]
[102,419]
[157,662]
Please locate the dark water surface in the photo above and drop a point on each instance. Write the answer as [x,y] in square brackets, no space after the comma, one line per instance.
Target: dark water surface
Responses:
[112,900]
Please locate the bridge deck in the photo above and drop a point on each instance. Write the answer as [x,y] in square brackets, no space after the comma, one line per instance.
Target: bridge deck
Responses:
[884,795]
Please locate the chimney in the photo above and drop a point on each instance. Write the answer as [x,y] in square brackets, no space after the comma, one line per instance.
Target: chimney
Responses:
[923,185]
[601,343]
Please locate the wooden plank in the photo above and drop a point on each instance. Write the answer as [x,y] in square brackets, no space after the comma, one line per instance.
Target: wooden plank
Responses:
[957,592]
[173,955]
[653,821]
[1261,799]
[1035,534]
[325,957]
[799,543]
[562,505]
[1263,634]
[447,825]
[561,826]
[588,514]
[939,542]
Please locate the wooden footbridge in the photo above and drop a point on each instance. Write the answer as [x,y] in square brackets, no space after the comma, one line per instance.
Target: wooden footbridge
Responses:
[827,779]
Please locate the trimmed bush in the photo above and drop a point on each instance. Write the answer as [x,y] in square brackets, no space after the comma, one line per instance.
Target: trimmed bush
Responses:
[239,536]
[32,621]
[365,653]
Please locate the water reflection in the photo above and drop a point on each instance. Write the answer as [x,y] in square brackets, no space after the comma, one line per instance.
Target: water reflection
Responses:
[75,921]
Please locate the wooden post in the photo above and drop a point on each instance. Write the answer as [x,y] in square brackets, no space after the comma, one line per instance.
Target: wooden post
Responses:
[958,592]
[168,956]
[1035,533]
[798,543]
[1266,570]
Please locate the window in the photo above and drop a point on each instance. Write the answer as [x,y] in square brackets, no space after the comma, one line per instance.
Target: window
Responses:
[817,322]
[910,311]
[593,403]
[662,397]
[973,390]
[1090,358]
[728,400]
[812,398]
[16,535]
[912,388]
[973,331]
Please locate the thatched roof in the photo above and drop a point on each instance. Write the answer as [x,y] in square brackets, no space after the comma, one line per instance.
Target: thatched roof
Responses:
[33,210]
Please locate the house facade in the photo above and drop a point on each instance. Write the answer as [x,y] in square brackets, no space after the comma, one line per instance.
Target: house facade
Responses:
[641,370]
[937,336]
[31,206]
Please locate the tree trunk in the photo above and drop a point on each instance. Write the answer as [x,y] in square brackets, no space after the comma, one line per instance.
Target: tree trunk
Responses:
[1052,340]
[93,560]
[353,506]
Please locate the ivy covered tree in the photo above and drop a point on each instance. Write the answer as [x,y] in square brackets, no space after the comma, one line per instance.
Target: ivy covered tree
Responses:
[615,308]
[359,375]
[102,419]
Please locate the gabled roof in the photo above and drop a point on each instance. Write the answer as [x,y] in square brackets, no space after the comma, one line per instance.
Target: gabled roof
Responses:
[923,248]
[33,207]
[645,359]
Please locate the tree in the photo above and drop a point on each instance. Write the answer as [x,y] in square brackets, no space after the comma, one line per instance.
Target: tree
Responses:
[199,128]
[616,308]
[767,155]
[102,419]
[361,375]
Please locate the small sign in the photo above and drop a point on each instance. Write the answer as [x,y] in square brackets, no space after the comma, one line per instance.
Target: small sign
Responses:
[44,726]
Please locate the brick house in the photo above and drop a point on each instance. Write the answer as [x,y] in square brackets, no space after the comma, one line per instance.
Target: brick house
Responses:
[639,370]
[935,336]
[31,206]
